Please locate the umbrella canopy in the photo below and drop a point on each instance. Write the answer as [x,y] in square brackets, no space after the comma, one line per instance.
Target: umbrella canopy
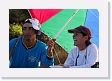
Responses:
[52,20]
[92,22]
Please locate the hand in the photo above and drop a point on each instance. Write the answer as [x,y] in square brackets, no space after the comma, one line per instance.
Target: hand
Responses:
[50,48]
[50,43]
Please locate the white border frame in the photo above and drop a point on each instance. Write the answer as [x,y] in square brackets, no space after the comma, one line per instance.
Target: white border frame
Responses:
[102,71]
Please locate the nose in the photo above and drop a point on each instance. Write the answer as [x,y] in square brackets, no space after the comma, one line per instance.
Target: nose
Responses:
[26,30]
[73,36]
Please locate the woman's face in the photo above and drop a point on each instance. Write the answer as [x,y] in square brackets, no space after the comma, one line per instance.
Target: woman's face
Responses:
[28,32]
[79,39]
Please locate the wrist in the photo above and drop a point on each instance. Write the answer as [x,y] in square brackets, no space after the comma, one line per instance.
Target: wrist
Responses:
[49,53]
[49,56]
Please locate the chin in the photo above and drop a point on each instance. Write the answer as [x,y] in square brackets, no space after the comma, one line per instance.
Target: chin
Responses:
[75,44]
[28,39]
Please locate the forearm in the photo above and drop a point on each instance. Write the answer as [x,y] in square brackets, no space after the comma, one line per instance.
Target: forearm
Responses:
[50,48]
[50,52]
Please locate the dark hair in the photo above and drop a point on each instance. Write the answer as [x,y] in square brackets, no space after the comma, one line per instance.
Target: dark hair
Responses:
[26,21]
[85,32]
[88,42]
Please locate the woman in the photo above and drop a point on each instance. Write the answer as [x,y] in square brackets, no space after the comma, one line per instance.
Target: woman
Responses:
[84,53]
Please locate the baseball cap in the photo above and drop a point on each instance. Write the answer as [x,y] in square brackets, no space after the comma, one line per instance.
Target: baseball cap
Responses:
[35,23]
[81,29]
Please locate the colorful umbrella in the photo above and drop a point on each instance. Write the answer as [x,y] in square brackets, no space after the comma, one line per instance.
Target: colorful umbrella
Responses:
[54,20]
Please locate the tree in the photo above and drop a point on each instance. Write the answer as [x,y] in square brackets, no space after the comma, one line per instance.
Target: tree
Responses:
[18,15]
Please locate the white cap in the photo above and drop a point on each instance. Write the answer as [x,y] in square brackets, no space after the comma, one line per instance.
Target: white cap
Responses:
[35,23]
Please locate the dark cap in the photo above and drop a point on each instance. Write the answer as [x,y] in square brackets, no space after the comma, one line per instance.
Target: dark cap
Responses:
[81,29]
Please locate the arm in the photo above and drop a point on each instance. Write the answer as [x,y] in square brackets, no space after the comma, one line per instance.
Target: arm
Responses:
[46,61]
[70,59]
[50,48]
[12,45]
[49,52]
[12,48]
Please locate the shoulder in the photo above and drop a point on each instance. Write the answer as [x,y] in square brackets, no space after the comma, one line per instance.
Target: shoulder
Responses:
[40,43]
[13,40]
[73,50]
[92,46]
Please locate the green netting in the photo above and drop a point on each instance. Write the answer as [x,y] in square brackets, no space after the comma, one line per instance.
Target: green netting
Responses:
[54,24]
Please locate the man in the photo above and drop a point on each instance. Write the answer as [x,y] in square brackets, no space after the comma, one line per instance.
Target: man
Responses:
[26,51]
[84,53]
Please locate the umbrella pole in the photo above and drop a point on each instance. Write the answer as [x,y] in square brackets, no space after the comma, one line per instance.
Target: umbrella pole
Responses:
[57,56]
[65,24]
[61,31]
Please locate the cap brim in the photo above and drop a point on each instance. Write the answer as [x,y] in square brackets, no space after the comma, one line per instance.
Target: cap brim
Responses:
[71,31]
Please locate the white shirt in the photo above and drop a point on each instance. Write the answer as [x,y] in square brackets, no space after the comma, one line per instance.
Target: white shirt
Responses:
[84,58]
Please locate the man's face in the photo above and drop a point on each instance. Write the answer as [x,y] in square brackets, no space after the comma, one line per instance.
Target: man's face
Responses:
[79,39]
[28,31]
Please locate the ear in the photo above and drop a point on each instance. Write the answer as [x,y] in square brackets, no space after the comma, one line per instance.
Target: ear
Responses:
[36,31]
[86,38]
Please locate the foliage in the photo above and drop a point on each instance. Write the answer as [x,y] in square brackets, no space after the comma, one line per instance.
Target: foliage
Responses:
[18,15]
[15,30]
